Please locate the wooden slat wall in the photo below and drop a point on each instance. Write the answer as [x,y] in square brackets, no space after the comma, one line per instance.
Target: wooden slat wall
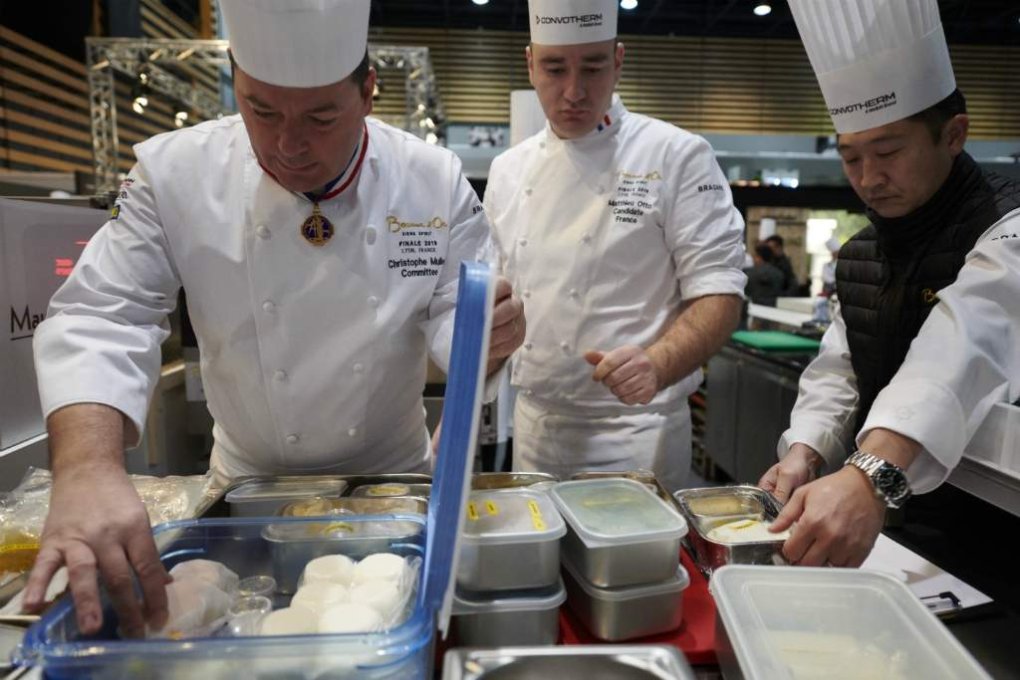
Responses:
[44,111]
[748,86]
[159,22]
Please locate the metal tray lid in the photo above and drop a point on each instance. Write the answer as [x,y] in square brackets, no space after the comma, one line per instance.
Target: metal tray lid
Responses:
[451,480]
[281,490]
[608,512]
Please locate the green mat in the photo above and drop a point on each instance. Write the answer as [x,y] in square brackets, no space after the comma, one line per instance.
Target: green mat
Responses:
[776,341]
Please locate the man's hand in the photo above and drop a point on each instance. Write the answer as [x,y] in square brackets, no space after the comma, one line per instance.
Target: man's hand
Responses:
[97,522]
[838,519]
[508,326]
[97,525]
[628,371]
[797,468]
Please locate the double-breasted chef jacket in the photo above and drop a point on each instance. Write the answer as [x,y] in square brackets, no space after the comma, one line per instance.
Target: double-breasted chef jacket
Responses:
[313,358]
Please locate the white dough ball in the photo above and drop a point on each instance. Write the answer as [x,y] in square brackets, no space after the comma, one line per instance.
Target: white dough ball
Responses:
[379,567]
[289,621]
[350,618]
[382,596]
[330,569]
[318,597]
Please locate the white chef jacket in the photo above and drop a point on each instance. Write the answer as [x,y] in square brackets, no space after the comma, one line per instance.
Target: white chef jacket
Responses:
[313,358]
[604,237]
[964,360]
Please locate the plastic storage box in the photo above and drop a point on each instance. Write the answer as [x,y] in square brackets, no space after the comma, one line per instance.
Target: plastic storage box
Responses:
[265,497]
[405,652]
[615,614]
[620,533]
[785,623]
[511,541]
[530,617]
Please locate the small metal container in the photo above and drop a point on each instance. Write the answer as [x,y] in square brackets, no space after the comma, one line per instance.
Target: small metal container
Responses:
[706,509]
[487,481]
[619,532]
[523,617]
[327,507]
[264,497]
[630,662]
[615,614]
[392,490]
[292,546]
[511,541]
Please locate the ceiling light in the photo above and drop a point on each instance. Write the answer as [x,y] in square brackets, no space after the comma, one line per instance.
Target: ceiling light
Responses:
[480,2]
[139,104]
[180,118]
[628,4]
[763,9]
[432,138]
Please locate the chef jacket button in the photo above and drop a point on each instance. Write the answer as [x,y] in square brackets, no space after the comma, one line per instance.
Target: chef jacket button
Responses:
[527,191]
[527,346]
[268,307]
[586,238]
[263,231]
[523,242]
[370,235]
[573,292]
[293,438]
[529,392]
[565,346]
[601,190]
[359,367]
[373,301]
[352,432]
[280,375]
[527,293]
[541,145]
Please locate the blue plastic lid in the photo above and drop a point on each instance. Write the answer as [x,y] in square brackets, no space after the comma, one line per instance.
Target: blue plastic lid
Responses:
[451,482]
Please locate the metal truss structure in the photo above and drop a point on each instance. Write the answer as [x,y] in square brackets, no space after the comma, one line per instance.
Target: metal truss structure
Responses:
[159,63]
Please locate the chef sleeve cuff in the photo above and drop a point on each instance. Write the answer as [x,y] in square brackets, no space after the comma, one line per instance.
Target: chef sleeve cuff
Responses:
[819,437]
[930,414]
[715,281]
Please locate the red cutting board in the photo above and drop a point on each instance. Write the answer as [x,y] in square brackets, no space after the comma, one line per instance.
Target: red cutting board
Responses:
[695,637]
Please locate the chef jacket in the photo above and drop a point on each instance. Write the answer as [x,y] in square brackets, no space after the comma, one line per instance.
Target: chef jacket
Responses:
[312,358]
[964,360]
[604,238]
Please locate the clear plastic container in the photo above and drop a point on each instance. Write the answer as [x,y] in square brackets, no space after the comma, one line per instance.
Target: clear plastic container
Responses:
[511,541]
[323,507]
[620,533]
[56,644]
[266,497]
[523,617]
[615,614]
[787,623]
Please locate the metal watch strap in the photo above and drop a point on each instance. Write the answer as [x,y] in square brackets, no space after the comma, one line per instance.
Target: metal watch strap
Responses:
[870,465]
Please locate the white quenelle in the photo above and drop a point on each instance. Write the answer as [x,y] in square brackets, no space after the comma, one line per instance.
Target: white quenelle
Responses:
[380,567]
[337,569]
[209,571]
[382,596]
[318,597]
[350,617]
[290,621]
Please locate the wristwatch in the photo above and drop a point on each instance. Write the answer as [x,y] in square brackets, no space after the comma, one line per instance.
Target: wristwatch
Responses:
[889,480]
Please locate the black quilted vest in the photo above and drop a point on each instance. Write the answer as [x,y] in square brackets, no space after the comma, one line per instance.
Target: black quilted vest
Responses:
[888,276]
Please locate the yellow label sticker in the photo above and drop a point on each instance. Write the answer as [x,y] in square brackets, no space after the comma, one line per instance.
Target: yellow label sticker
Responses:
[472,512]
[536,516]
[491,508]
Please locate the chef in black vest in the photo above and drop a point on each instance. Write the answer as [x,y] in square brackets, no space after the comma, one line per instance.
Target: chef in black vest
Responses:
[926,341]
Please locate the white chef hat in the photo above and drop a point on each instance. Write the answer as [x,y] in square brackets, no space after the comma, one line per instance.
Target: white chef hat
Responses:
[877,61]
[572,22]
[297,43]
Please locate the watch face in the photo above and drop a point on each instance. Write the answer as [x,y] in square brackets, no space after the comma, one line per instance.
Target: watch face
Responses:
[891,482]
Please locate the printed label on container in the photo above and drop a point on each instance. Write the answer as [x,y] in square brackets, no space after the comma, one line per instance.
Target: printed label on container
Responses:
[491,508]
[536,516]
[472,511]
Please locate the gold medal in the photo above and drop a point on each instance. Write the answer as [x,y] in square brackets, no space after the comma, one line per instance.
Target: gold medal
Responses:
[317,229]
